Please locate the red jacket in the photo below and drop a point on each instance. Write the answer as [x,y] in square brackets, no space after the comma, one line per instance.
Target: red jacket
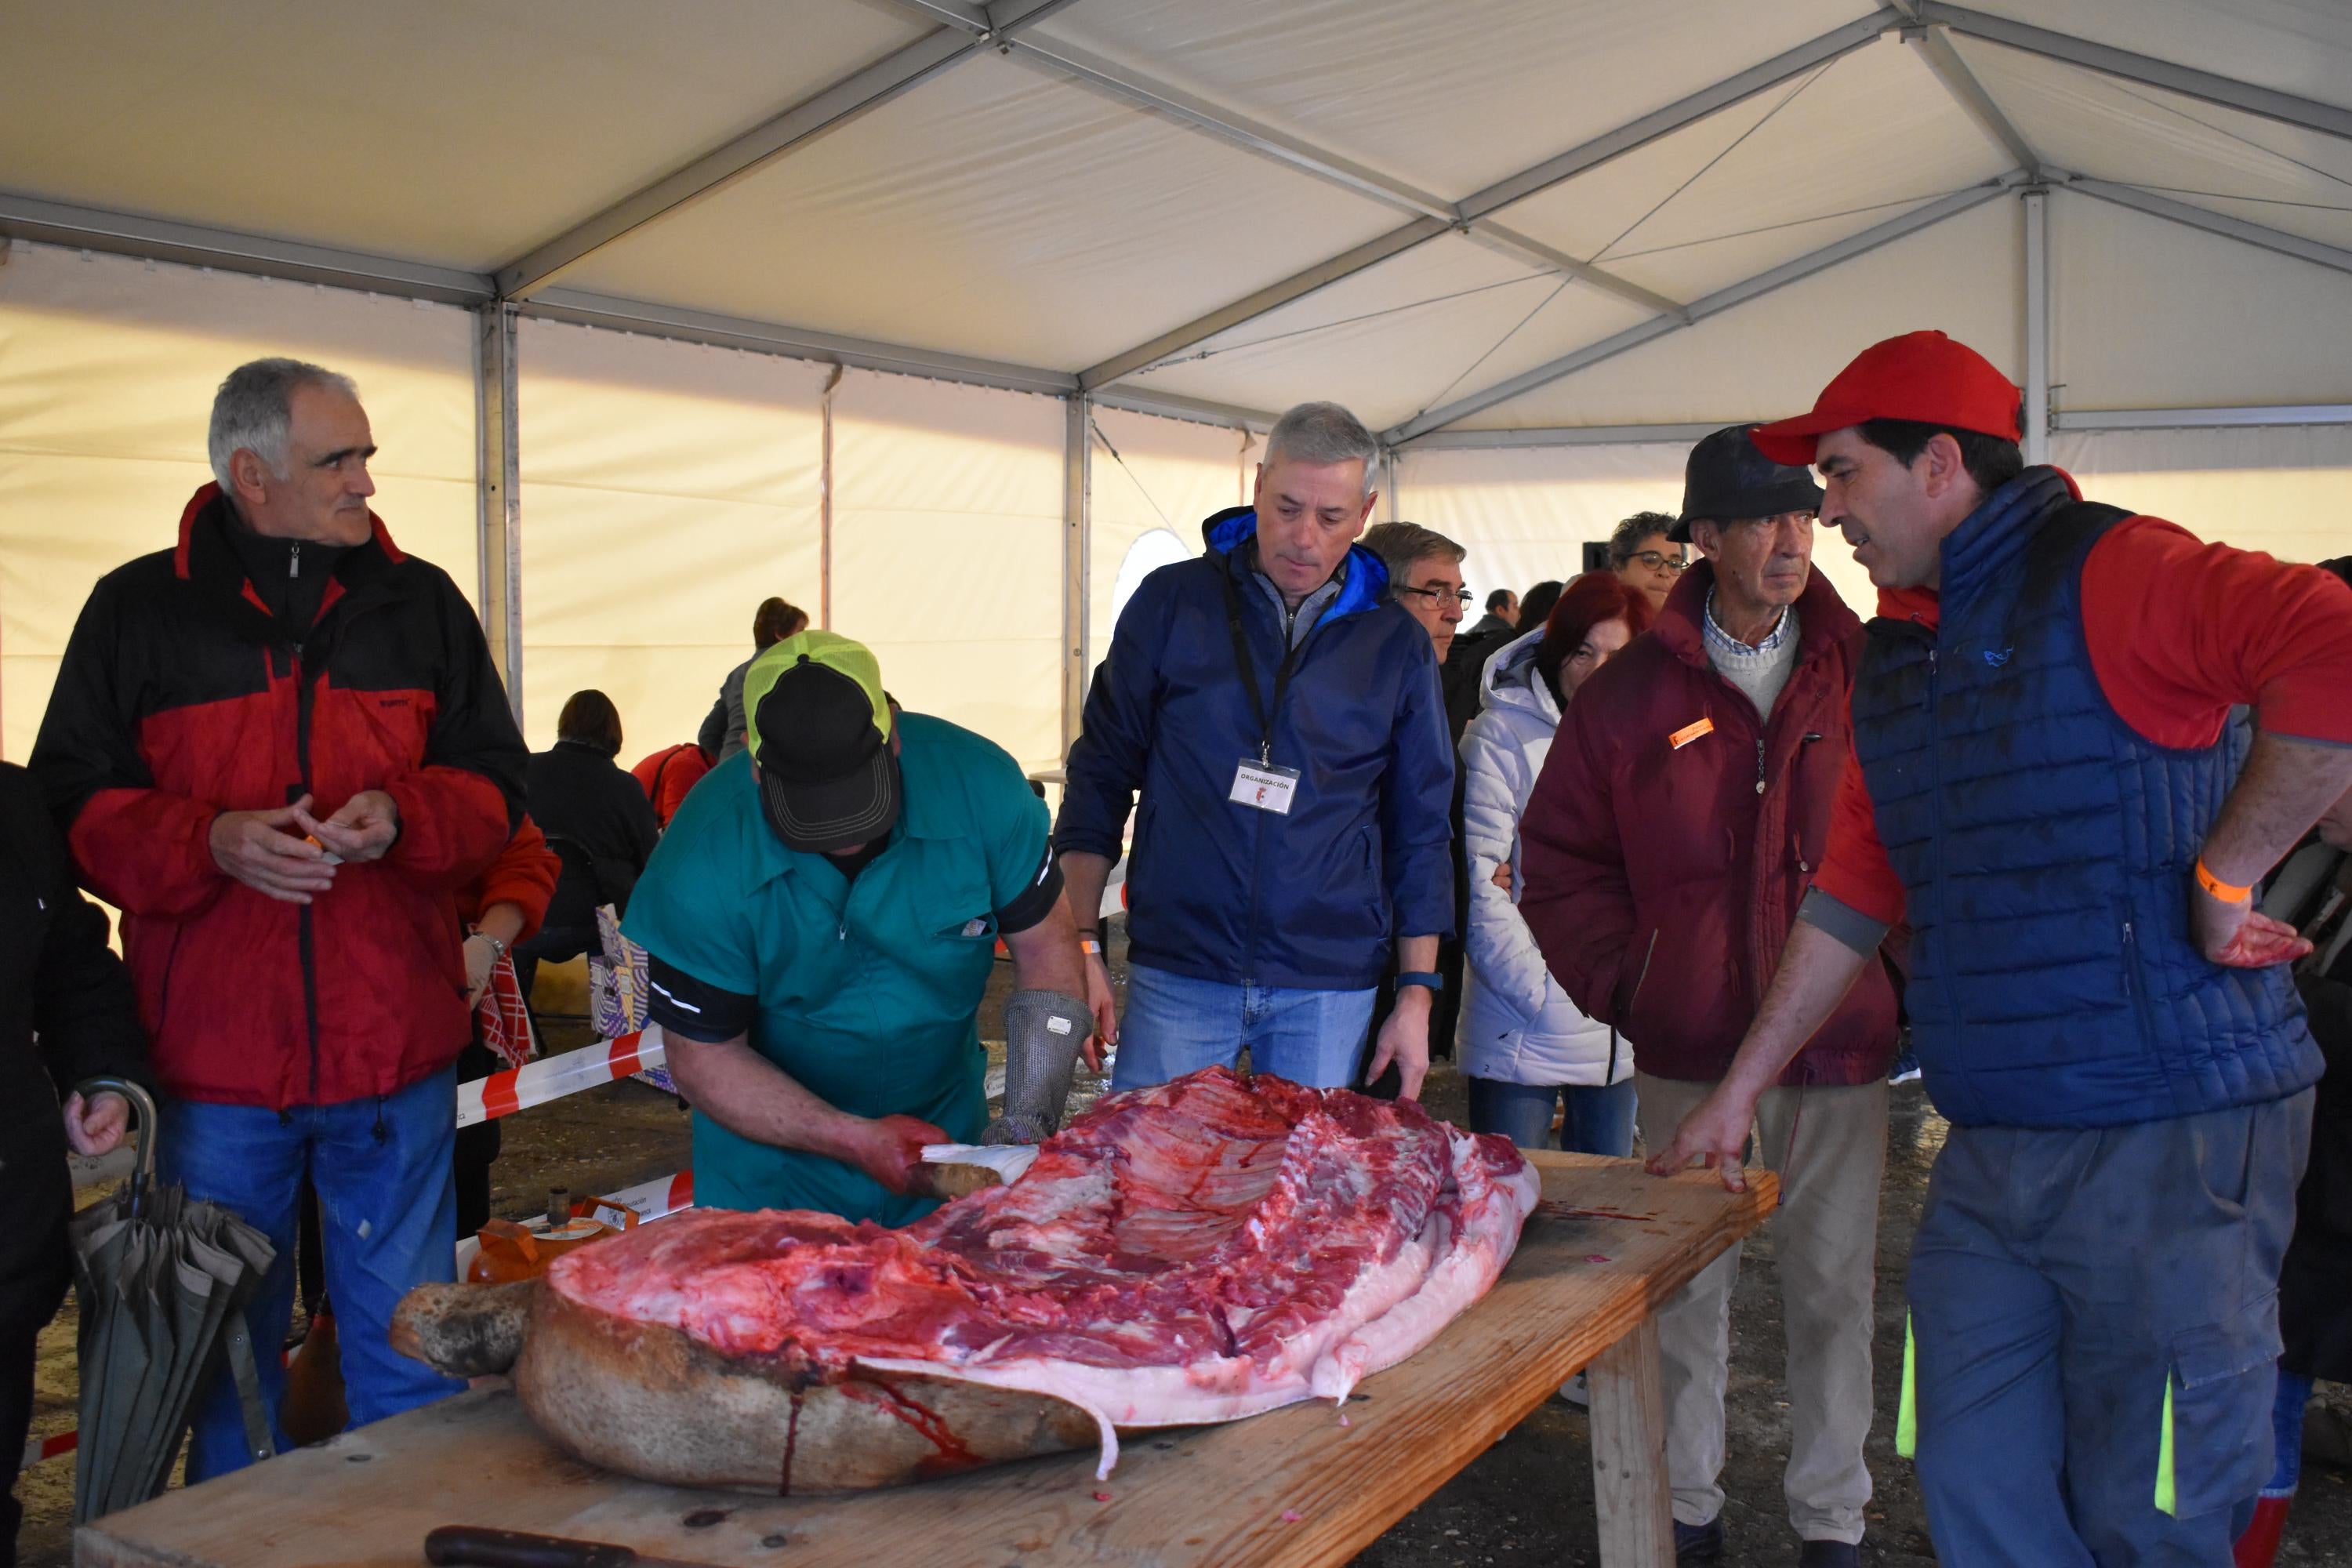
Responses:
[523,875]
[1662,878]
[667,774]
[180,697]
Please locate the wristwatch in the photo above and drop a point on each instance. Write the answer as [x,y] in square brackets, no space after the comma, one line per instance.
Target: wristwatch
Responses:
[1423,977]
[497,948]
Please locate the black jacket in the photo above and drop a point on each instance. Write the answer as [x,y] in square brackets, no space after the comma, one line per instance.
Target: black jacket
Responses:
[2316,1284]
[598,822]
[67,1013]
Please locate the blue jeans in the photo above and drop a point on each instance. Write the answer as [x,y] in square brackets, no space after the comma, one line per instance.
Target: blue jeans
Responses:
[388,1206]
[1599,1120]
[1175,1025]
[2062,1284]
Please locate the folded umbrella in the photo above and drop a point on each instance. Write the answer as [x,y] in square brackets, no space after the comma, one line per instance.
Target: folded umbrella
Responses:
[162,1283]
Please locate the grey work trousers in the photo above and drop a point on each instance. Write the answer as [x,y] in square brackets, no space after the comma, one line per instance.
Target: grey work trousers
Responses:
[2076,1294]
[1828,1146]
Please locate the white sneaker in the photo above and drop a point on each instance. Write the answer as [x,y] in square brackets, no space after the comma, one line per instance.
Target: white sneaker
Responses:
[1575,1393]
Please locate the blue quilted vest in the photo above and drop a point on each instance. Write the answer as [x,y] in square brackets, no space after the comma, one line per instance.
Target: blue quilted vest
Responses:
[2044,848]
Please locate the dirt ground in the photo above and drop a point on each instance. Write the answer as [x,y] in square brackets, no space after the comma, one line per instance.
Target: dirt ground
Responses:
[1527,1500]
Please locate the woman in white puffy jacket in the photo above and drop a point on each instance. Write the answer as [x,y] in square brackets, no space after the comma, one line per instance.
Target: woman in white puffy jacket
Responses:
[1524,1045]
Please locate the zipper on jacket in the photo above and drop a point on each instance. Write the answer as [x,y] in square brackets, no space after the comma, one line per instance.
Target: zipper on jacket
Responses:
[305,930]
[1760,763]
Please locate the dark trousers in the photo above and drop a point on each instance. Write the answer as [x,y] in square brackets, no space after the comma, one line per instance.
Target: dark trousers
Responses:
[35,1194]
[2086,1304]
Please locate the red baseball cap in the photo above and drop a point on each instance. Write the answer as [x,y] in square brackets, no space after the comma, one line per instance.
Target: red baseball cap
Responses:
[1921,376]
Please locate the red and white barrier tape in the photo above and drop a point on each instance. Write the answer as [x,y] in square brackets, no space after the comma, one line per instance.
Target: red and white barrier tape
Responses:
[553,1077]
[39,1449]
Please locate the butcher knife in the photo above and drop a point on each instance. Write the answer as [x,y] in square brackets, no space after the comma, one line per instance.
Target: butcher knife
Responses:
[479,1546]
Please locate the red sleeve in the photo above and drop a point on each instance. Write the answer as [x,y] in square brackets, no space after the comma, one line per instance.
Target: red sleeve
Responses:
[148,851]
[523,875]
[2180,631]
[1854,870]
[685,770]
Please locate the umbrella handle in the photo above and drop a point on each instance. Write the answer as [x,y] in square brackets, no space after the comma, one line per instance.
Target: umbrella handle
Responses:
[142,1169]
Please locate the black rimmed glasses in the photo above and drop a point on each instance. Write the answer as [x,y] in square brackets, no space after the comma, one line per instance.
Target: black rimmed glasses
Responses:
[1657,563]
[1436,597]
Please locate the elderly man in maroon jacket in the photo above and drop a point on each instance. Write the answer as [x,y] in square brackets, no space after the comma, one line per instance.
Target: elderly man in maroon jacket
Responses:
[1669,839]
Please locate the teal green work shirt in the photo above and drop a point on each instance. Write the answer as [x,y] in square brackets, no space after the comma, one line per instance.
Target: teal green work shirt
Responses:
[867,991]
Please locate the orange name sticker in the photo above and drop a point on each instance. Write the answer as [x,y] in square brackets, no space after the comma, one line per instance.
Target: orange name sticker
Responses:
[1689,732]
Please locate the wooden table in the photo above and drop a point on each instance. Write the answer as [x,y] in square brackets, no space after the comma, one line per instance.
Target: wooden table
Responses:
[1607,1245]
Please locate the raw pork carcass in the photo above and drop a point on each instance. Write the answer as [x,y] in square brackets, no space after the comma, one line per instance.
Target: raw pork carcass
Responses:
[1198,1252]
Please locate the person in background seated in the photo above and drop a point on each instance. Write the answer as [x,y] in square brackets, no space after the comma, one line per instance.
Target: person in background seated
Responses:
[1502,614]
[67,1015]
[1645,555]
[1526,1048]
[597,821]
[665,776]
[1464,671]
[721,735]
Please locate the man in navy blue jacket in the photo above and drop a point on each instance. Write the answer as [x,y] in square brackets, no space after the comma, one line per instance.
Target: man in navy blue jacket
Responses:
[1280,716]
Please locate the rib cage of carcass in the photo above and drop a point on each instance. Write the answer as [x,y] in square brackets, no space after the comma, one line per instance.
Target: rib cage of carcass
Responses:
[1199,1252]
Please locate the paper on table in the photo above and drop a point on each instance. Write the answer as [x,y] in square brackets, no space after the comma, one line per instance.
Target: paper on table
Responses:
[1009,1160]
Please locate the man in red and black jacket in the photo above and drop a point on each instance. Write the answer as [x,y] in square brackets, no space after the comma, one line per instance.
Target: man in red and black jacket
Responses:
[281,749]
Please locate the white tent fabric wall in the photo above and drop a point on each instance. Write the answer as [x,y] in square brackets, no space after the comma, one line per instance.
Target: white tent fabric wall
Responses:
[1525,513]
[2285,489]
[1169,474]
[107,368]
[947,550]
[666,489]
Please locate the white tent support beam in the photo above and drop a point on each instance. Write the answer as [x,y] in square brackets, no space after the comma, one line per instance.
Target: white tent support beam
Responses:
[1935,48]
[1389,507]
[2267,416]
[2188,80]
[1194,410]
[1077,530]
[2037,325]
[1249,307]
[34,218]
[1805,266]
[2211,222]
[2262,415]
[769,337]
[498,493]
[1566,436]
[836,105]
[1126,87]
[1473,209]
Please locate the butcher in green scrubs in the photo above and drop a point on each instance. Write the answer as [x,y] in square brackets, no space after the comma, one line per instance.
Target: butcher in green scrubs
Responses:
[823,915]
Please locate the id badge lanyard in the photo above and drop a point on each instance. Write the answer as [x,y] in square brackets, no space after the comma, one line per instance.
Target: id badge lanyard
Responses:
[1259,782]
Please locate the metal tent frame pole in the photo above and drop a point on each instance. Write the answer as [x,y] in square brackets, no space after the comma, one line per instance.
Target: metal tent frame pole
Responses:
[498,493]
[1077,550]
[2037,325]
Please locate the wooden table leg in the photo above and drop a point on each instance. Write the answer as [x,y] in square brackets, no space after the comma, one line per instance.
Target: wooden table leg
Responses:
[1629,1452]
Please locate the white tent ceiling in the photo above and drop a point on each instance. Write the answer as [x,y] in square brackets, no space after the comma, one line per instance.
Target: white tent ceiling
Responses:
[1473,215]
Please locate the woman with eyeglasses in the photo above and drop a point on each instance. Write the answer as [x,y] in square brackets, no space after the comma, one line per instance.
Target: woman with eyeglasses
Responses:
[1645,557]
[1525,1046]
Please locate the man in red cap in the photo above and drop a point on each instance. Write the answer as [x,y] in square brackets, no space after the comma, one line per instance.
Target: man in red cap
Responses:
[2051,786]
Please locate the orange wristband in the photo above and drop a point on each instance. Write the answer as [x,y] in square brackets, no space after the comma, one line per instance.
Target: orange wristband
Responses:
[2218,888]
